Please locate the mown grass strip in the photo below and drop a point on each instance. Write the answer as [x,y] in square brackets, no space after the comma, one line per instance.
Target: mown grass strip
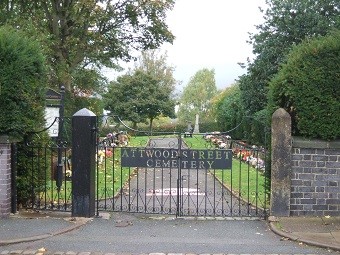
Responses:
[243,180]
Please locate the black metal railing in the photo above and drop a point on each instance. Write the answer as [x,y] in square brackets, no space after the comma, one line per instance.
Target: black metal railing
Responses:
[238,190]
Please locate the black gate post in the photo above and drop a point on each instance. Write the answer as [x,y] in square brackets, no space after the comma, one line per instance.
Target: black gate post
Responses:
[83,163]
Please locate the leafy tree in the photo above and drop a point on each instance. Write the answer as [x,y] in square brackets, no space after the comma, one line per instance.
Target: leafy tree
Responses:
[87,96]
[155,64]
[89,34]
[307,86]
[197,95]
[231,117]
[137,97]
[229,113]
[22,81]
[287,23]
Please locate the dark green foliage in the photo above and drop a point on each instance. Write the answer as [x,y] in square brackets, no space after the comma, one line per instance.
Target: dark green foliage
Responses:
[208,127]
[229,111]
[89,84]
[32,166]
[22,103]
[256,129]
[139,97]
[90,34]
[308,87]
[169,128]
[22,76]
[233,119]
[287,23]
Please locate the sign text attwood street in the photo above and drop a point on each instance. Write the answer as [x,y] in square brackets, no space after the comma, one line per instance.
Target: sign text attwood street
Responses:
[173,158]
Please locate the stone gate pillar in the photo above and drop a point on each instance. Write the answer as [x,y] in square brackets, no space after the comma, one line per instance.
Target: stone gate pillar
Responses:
[5,177]
[83,163]
[281,163]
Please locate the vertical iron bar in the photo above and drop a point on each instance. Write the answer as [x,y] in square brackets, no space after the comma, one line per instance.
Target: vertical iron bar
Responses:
[162,189]
[32,179]
[145,188]
[170,192]
[60,138]
[66,167]
[248,190]
[121,189]
[197,191]
[197,200]
[137,189]
[231,192]
[179,182]
[97,188]
[188,189]
[154,190]
[105,177]
[129,199]
[265,172]
[45,177]
[53,177]
[257,184]
[222,193]
[97,173]
[206,192]
[214,195]
[114,155]
[239,188]
[38,176]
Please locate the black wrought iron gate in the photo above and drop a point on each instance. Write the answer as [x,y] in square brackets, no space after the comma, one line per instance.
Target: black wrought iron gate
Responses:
[161,178]
[164,173]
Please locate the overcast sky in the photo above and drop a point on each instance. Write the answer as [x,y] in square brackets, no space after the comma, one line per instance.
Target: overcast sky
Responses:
[210,34]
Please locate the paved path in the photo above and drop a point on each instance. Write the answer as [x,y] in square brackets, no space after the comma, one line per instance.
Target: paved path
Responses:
[185,192]
[124,233]
[127,233]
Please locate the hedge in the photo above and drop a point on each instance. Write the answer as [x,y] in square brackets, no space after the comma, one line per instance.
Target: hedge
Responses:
[308,87]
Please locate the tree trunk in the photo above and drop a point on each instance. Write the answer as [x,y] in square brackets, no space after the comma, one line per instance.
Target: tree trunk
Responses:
[150,126]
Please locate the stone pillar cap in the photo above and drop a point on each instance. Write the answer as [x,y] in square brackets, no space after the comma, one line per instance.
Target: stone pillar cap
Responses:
[84,112]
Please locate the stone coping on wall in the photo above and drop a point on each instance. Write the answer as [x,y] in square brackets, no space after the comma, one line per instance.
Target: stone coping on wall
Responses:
[4,139]
[301,142]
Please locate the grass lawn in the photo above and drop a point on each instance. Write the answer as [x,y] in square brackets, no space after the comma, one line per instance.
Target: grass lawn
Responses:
[110,175]
[243,180]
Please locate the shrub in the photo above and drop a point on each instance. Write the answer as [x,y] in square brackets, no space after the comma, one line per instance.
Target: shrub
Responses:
[22,100]
[22,76]
[307,86]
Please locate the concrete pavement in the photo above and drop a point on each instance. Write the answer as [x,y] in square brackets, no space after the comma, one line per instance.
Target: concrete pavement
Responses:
[318,231]
[22,227]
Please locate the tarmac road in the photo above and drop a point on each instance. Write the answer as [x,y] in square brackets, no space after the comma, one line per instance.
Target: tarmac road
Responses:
[137,234]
